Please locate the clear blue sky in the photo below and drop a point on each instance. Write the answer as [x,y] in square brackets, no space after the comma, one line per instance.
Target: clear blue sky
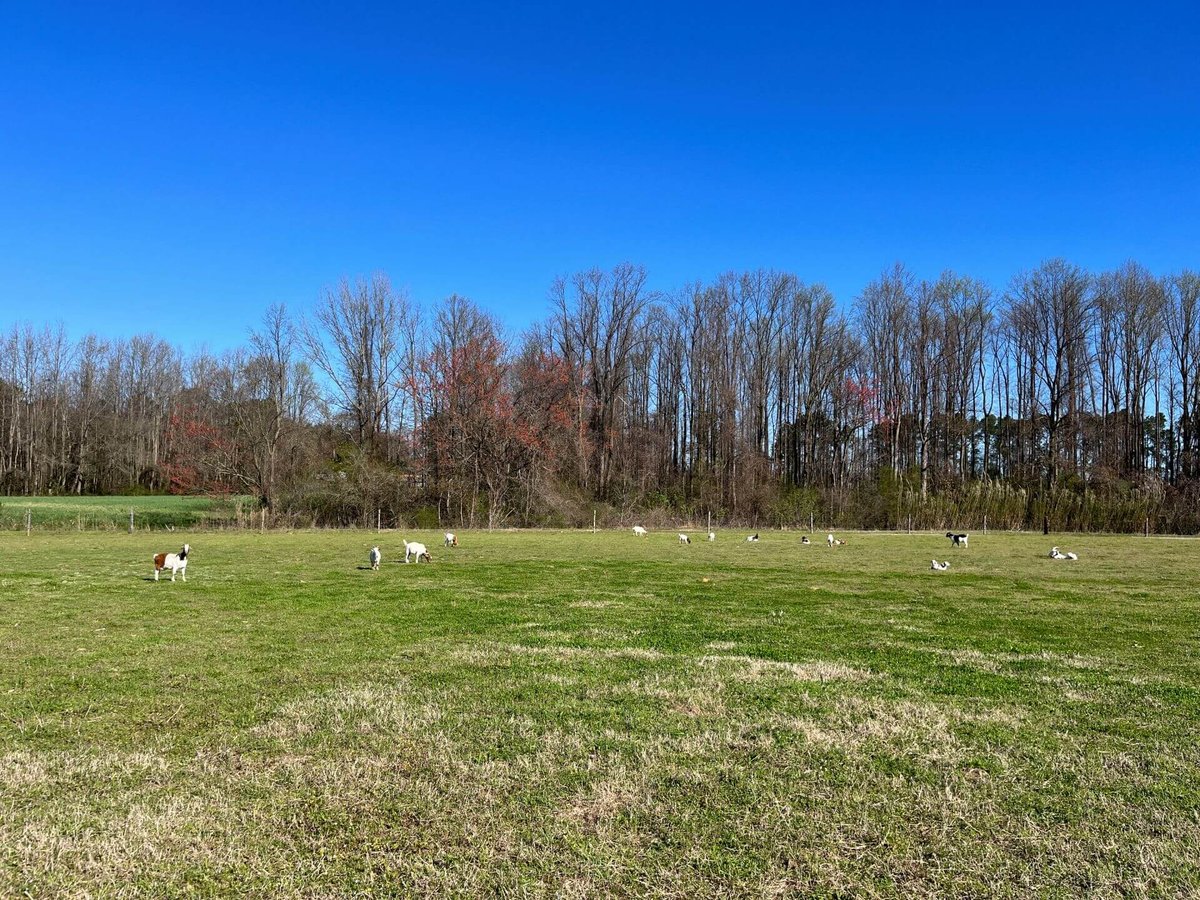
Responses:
[177,167]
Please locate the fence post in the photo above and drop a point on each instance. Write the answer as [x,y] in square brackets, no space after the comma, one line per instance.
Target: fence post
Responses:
[378,520]
[28,521]
[131,520]
[593,521]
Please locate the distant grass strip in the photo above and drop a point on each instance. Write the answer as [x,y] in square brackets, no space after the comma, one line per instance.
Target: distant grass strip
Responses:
[112,513]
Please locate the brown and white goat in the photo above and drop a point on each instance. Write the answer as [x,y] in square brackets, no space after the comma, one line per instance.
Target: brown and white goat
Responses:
[176,562]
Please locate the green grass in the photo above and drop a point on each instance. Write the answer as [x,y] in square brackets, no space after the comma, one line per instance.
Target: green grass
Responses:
[567,714]
[112,513]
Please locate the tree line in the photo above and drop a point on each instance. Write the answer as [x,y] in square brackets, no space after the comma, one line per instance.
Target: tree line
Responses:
[1066,401]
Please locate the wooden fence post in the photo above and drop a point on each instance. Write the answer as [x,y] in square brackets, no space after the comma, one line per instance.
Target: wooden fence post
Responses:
[131,520]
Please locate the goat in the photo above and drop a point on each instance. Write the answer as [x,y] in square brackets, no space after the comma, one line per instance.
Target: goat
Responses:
[834,542]
[804,539]
[1055,553]
[684,539]
[957,540]
[753,537]
[639,531]
[376,557]
[940,566]
[176,562]
[451,539]
[417,550]
[712,536]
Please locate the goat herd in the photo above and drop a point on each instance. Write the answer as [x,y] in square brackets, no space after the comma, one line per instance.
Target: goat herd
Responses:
[415,551]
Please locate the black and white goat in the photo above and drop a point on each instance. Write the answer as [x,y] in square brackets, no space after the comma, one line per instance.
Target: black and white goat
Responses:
[684,539]
[804,539]
[940,566]
[753,538]
[1055,553]
[176,562]
[957,540]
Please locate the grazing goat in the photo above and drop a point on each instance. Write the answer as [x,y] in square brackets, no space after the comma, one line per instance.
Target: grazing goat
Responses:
[451,539]
[417,550]
[940,566]
[684,539]
[753,537]
[376,558]
[712,536]
[639,531]
[957,540]
[176,562]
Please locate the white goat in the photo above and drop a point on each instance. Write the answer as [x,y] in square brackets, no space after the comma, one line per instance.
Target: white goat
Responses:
[830,540]
[639,531]
[418,550]
[376,557]
[1055,553]
[176,562]
[684,539]
[940,566]
[712,536]
[451,539]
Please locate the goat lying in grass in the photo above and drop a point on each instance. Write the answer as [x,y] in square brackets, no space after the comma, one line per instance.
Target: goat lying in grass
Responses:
[418,550]
[753,537]
[1055,553]
[176,562]
[940,566]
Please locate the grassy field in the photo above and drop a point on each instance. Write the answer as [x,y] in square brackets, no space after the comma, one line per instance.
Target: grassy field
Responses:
[112,513]
[568,714]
